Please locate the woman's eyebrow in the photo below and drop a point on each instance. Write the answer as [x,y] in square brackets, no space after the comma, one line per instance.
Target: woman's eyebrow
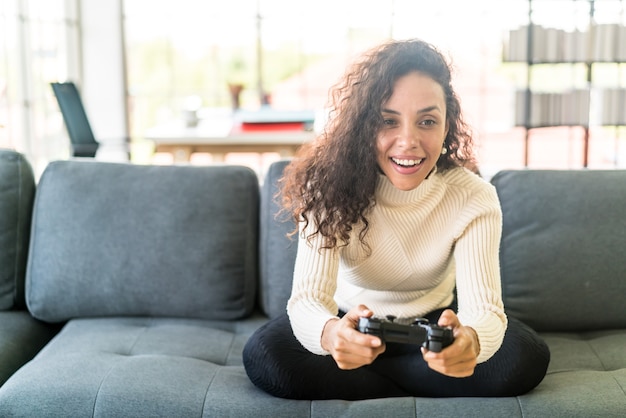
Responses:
[424,110]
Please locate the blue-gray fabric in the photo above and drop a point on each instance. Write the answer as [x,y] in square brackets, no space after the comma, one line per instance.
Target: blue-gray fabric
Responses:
[144,367]
[563,251]
[17,191]
[133,366]
[128,364]
[112,239]
[277,251]
[21,337]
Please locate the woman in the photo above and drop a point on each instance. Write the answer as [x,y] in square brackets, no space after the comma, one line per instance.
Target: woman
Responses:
[393,221]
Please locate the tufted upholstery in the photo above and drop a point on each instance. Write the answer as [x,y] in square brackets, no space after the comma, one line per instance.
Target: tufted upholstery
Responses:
[109,363]
[564,273]
[131,347]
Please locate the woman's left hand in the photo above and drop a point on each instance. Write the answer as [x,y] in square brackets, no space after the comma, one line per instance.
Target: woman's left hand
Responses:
[459,358]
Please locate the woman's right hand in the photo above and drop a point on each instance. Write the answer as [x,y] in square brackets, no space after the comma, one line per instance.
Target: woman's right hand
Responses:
[350,348]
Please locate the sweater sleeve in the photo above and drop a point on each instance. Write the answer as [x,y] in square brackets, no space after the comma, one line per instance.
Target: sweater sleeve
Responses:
[478,272]
[312,303]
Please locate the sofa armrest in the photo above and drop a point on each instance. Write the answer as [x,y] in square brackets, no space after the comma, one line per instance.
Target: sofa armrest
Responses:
[17,191]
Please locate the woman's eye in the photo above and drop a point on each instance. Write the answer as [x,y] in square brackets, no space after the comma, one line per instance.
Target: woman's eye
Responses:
[389,122]
[428,122]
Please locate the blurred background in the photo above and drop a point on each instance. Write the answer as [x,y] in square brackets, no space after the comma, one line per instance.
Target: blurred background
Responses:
[140,64]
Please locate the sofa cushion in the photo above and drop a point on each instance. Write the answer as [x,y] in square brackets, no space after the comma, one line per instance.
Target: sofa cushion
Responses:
[133,367]
[277,251]
[586,376]
[181,367]
[592,350]
[563,244]
[21,337]
[17,191]
[114,239]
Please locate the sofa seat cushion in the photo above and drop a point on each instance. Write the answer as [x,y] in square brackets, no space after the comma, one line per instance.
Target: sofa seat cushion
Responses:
[586,376]
[131,367]
[577,393]
[213,341]
[21,337]
[181,367]
[601,350]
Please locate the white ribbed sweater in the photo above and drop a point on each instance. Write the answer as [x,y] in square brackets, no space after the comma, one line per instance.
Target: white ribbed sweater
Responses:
[423,242]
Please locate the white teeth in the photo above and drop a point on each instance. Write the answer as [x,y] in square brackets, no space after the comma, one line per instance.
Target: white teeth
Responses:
[406,163]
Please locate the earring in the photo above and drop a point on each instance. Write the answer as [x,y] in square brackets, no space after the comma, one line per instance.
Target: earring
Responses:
[444,151]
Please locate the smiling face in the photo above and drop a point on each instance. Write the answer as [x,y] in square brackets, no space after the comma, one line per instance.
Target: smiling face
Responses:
[410,141]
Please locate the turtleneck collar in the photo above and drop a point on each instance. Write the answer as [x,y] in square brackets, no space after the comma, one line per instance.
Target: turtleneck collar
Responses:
[387,193]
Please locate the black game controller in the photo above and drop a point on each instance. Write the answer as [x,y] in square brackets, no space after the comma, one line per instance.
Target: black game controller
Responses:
[418,331]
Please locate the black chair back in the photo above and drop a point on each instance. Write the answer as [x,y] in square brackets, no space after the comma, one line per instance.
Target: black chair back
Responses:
[83,142]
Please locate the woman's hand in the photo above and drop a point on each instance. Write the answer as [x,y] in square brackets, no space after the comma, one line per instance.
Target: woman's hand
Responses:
[458,359]
[350,348]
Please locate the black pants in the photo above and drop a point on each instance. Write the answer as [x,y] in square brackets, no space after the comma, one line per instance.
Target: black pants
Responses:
[277,363]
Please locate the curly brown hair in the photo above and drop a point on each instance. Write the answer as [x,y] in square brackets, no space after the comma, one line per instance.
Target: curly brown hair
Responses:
[331,181]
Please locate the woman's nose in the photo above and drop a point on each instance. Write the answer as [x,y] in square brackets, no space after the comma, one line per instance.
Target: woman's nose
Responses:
[408,136]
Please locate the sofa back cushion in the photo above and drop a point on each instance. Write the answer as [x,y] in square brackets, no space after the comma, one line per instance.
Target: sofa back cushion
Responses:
[17,191]
[277,251]
[563,252]
[113,239]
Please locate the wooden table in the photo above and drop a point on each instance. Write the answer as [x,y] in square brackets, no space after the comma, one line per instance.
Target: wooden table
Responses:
[219,138]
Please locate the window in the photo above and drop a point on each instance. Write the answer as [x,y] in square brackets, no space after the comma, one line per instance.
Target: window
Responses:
[39,44]
[186,53]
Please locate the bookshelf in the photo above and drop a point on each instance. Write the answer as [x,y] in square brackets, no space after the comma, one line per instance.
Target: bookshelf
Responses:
[580,45]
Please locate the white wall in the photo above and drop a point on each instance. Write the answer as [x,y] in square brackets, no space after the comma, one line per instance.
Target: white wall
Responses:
[104,82]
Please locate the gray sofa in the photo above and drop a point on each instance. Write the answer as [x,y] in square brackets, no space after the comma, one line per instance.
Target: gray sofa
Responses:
[141,285]
[21,336]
